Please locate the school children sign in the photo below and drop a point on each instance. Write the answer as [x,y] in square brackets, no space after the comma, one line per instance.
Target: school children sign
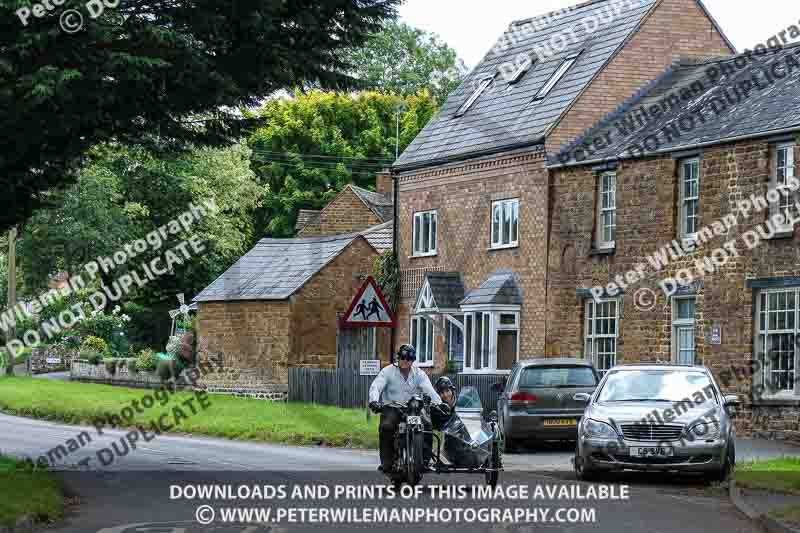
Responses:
[369,309]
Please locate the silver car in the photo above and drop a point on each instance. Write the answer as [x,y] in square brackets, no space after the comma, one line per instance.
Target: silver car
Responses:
[656,417]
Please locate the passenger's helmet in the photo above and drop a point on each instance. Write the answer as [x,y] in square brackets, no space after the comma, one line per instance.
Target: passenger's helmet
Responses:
[407,351]
[444,383]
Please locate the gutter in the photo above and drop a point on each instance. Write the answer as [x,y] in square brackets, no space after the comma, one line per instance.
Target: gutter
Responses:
[396,169]
[677,148]
[395,234]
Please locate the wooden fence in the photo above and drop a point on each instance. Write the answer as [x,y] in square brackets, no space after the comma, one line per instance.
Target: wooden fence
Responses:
[346,388]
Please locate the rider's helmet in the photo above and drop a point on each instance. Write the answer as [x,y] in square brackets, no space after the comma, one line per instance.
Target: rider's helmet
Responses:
[444,383]
[407,351]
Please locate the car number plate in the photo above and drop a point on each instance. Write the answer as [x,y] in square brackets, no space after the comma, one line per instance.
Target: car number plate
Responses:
[561,422]
[652,451]
[414,420]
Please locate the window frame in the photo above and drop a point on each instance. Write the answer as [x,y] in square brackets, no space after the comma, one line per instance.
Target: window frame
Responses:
[683,233]
[430,333]
[522,70]
[600,242]
[455,322]
[681,324]
[433,230]
[557,76]
[490,324]
[774,183]
[502,204]
[486,81]
[760,349]
[589,333]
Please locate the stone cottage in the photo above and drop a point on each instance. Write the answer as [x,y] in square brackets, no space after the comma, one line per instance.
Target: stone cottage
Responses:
[278,307]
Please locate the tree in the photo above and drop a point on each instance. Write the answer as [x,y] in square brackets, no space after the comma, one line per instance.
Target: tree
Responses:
[406,60]
[154,70]
[314,144]
[125,193]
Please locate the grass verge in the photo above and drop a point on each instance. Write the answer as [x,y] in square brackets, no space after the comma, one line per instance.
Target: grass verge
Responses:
[226,417]
[28,492]
[789,514]
[780,475]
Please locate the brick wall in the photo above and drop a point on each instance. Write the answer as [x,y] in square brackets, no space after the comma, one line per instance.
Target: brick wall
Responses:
[463,195]
[345,214]
[259,341]
[676,28]
[252,339]
[315,307]
[646,220]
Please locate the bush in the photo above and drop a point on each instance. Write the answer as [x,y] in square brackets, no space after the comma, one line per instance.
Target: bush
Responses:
[166,370]
[174,344]
[111,366]
[146,361]
[71,342]
[131,364]
[92,357]
[95,344]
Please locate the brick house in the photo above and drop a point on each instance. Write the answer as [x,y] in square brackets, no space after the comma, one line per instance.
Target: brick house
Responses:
[278,306]
[475,195]
[663,246]
[354,209]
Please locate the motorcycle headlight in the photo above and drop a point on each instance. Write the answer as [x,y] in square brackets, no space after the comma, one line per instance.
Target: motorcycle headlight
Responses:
[595,428]
[704,431]
[414,405]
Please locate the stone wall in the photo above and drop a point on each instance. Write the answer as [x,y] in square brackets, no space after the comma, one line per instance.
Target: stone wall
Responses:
[249,341]
[39,356]
[647,218]
[315,307]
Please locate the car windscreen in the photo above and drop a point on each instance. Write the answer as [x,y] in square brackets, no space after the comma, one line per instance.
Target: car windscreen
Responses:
[549,377]
[658,385]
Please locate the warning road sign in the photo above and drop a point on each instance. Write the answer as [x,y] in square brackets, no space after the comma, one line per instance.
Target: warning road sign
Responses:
[369,308]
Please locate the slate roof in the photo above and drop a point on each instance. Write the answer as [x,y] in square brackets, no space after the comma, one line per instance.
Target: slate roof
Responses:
[379,203]
[767,110]
[275,268]
[380,236]
[447,288]
[304,216]
[505,118]
[501,288]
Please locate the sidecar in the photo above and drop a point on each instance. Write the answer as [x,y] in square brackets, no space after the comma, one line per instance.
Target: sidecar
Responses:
[470,444]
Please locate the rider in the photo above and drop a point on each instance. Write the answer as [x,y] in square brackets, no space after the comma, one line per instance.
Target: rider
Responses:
[398,383]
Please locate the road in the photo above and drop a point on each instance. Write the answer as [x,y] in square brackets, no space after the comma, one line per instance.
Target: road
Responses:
[136,488]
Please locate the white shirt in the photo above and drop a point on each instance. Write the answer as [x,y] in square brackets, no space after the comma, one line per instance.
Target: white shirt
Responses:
[391,386]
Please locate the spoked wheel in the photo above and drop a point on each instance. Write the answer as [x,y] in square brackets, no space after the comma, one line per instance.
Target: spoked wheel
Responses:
[415,462]
[494,474]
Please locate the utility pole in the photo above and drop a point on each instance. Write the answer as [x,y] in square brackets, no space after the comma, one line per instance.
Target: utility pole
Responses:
[12,293]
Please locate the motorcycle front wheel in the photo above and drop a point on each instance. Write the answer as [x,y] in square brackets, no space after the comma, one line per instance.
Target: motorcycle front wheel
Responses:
[415,462]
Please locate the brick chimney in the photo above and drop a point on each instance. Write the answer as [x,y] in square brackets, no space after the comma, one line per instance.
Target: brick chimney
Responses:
[383,183]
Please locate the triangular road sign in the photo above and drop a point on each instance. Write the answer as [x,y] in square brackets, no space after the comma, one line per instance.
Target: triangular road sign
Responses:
[369,309]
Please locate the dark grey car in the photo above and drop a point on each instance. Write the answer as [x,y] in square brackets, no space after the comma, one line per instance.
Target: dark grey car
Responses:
[537,402]
[658,418]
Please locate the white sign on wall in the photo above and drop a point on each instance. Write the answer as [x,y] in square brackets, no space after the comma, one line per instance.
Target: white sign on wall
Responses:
[53,360]
[370,367]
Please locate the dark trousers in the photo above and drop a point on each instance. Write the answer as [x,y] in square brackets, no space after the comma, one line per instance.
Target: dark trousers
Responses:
[390,419]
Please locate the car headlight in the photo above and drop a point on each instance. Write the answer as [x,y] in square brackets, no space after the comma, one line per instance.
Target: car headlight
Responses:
[595,428]
[704,431]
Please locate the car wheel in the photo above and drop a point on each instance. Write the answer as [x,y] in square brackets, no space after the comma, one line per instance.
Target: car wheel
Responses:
[724,473]
[581,471]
